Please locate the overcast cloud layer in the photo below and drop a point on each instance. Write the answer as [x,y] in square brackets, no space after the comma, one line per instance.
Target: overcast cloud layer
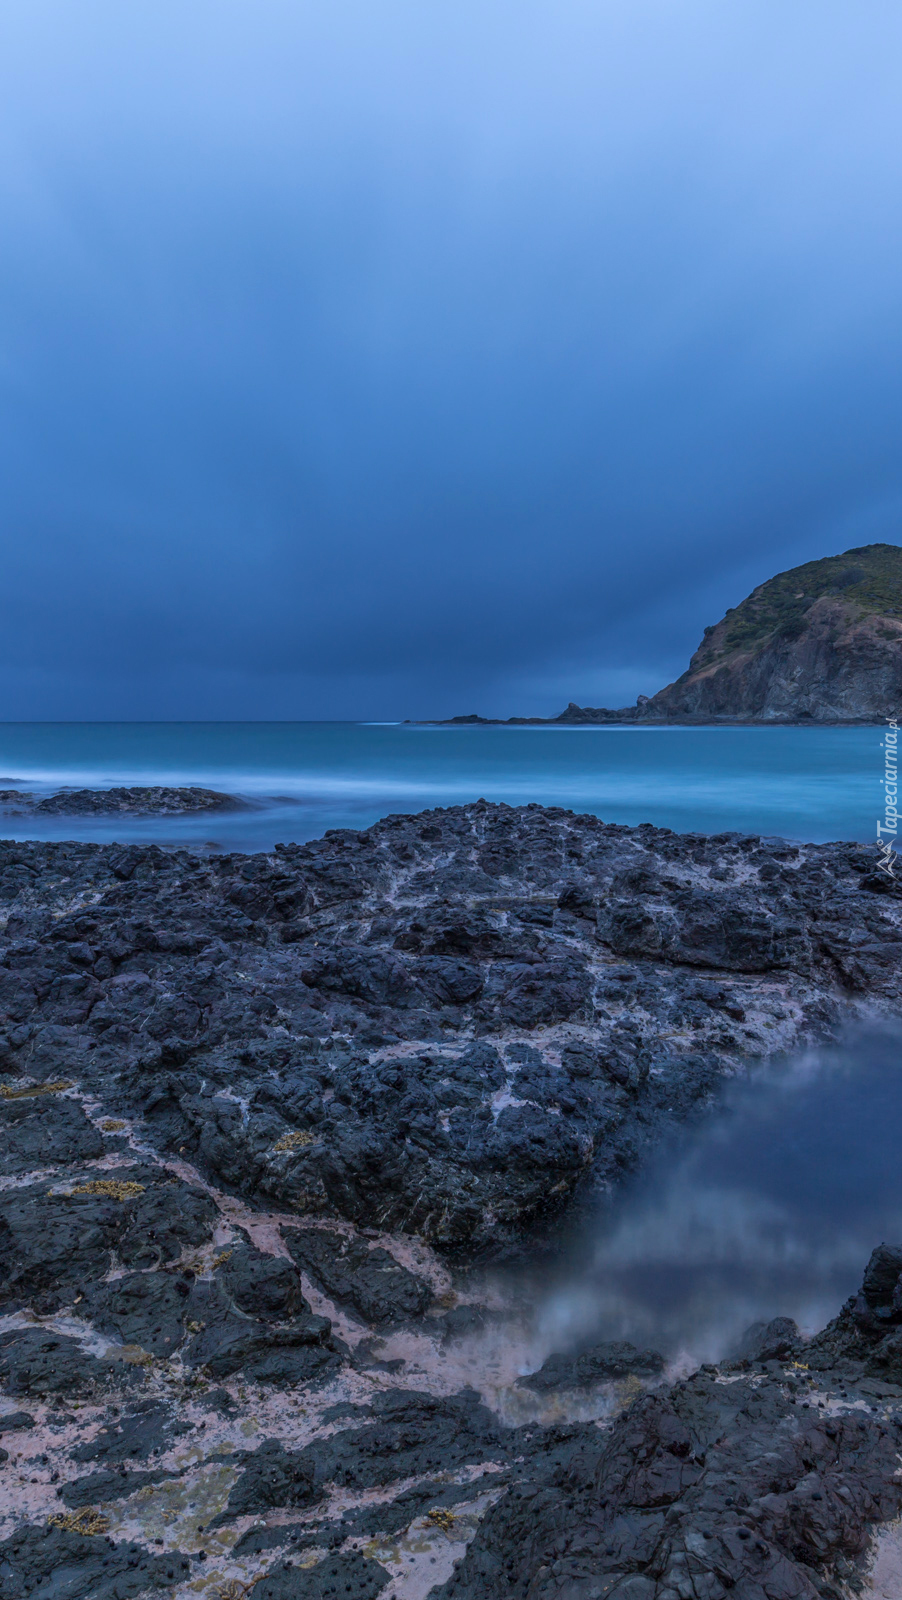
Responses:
[376,360]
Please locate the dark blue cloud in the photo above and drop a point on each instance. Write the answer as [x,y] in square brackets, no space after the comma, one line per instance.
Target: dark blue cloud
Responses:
[393,360]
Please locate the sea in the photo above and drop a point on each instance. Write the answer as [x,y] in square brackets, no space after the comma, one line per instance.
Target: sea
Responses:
[298,779]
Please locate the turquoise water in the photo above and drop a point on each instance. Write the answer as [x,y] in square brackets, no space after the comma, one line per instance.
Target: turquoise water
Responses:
[304,777]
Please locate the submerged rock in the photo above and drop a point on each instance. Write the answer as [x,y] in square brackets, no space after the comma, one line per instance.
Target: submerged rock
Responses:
[149,801]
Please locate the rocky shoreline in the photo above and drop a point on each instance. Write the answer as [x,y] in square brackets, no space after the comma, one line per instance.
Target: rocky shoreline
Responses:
[652,716]
[262,1116]
[818,645]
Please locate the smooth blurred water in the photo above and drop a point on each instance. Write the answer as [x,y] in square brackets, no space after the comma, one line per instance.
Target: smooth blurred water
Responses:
[305,777]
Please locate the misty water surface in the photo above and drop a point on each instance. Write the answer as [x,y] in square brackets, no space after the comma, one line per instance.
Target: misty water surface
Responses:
[769,1207]
[301,778]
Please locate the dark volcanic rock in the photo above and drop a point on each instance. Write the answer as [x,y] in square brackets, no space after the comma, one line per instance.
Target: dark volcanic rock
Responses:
[13,1420]
[338,1028]
[45,1131]
[600,1364]
[40,1363]
[462,1321]
[777,1340]
[153,801]
[448,1025]
[368,1278]
[413,1433]
[97,1487]
[273,1478]
[143,1308]
[712,1488]
[147,1428]
[301,1353]
[265,1286]
[868,1330]
[353,1577]
[391,1517]
[54,1240]
[60,1565]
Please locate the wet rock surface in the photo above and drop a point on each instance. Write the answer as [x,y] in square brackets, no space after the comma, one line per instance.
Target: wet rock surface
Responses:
[71,1566]
[152,801]
[444,1025]
[42,1362]
[713,1488]
[259,1117]
[365,1277]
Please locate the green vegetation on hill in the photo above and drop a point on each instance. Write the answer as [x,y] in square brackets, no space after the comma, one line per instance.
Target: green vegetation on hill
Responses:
[869,577]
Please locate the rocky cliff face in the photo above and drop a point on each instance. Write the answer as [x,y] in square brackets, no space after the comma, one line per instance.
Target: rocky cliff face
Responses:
[819,643]
[844,667]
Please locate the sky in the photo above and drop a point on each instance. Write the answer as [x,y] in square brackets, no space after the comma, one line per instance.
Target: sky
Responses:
[431,356]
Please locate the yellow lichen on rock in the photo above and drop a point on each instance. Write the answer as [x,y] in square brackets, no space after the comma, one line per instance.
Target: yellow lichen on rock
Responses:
[30,1089]
[441,1518]
[294,1141]
[109,1188]
[87,1521]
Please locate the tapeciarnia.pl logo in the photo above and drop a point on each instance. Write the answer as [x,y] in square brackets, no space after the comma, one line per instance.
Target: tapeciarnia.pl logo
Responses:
[890,823]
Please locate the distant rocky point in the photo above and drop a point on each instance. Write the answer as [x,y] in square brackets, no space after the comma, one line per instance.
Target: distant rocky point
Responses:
[820,643]
[139,802]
